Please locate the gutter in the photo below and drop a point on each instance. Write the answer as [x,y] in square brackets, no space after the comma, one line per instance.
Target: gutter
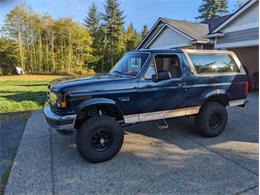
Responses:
[213,35]
[201,42]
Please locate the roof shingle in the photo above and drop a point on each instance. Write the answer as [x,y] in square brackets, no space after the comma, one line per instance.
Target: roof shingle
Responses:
[215,22]
[196,31]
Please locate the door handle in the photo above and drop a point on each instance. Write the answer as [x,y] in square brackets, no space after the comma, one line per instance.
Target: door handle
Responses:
[183,86]
[124,99]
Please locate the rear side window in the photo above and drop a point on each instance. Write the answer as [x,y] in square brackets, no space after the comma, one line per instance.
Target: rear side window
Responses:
[213,63]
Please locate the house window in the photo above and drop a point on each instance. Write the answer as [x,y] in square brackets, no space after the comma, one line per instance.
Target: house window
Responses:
[164,63]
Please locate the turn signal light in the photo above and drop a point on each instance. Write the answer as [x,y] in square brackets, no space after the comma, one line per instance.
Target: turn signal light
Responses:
[63,104]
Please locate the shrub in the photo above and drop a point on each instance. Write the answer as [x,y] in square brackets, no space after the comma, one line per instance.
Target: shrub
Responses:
[7,69]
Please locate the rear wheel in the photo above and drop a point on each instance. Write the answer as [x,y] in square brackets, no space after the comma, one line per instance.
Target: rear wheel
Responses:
[212,119]
[99,139]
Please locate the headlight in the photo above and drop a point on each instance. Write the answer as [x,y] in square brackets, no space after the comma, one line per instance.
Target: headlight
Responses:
[58,100]
[53,97]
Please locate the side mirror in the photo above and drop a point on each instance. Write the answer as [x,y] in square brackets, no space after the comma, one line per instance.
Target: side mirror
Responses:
[161,76]
[154,78]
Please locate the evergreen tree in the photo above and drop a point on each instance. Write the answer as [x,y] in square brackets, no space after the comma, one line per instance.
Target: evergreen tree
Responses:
[132,38]
[92,21]
[222,7]
[144,31]
[113,27]
[212,8]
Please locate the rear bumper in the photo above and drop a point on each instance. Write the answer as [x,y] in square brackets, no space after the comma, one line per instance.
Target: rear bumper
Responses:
[59,122]
[244,105]
[241,103]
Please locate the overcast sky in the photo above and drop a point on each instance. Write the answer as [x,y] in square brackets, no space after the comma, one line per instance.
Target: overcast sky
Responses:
[139,12]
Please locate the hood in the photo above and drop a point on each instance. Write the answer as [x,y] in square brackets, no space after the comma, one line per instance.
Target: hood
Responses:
[76,84]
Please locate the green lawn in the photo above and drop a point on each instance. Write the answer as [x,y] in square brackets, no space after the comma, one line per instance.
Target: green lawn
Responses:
[23,93]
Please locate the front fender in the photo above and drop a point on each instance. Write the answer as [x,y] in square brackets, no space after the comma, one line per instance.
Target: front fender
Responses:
[95,102]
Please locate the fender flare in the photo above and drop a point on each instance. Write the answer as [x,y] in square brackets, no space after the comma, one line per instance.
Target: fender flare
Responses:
[95,102]
[99,102]
[218,92]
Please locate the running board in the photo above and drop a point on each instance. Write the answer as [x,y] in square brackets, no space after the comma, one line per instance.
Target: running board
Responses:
[161,124]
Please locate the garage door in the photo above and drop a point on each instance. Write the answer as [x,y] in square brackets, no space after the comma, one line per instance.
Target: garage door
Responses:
[249,57]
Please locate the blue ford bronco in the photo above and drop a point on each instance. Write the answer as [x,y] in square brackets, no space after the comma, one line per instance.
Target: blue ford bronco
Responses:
[147,85]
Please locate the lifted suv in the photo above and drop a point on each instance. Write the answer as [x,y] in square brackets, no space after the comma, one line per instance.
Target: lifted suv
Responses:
[147,85]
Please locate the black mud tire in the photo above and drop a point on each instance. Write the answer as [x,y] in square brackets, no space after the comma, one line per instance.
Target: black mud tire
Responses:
[92,128]
[212,119]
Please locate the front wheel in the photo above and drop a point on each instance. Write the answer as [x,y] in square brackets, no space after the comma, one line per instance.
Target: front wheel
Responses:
[212,119]
[99,139]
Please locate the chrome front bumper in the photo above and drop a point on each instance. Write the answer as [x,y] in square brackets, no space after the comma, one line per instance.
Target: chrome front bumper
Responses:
[59,122]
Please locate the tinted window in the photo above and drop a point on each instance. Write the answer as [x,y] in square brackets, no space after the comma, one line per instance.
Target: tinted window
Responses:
[214,63]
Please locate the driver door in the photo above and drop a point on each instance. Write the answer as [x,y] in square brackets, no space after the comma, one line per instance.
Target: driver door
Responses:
[165,95]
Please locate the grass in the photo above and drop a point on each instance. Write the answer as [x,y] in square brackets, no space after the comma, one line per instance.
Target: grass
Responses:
[4,181]
[23,92]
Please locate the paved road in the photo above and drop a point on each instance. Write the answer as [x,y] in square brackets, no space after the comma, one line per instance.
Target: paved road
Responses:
[171,161]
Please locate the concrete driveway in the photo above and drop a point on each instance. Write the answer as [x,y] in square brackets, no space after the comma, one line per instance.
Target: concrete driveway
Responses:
[151,161]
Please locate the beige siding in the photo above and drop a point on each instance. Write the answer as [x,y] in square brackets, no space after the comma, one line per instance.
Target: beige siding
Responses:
[169,38]
[242,35]
[152,34]
[248,19]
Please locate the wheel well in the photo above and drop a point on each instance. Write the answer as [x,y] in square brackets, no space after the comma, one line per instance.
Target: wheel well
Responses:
[108,110]
[223,99]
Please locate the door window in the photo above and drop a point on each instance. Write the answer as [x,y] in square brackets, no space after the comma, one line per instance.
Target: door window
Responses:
[150,71]
[164,63]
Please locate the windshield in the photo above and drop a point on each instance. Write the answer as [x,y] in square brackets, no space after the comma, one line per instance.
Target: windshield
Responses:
[130,64]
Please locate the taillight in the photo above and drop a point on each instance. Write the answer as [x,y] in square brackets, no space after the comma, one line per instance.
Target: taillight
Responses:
[246,88]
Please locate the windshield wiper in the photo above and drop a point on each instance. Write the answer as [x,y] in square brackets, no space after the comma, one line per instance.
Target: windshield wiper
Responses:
[118,72]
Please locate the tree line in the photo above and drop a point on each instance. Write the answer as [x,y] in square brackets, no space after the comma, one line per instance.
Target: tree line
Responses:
[110,39]
[38,43]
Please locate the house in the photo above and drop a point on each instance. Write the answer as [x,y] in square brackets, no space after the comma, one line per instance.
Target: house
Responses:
[169,33]
[240,33]
[237,32]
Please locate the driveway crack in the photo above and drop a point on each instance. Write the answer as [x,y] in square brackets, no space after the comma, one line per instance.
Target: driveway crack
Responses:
[247,189]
